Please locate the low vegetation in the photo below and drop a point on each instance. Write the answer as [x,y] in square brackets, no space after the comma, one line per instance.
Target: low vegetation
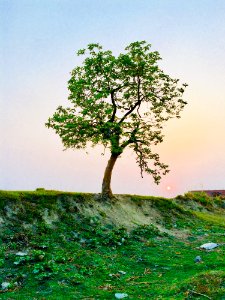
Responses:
[56,245]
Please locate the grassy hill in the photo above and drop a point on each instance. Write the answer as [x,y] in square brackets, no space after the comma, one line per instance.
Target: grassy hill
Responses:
[57,245]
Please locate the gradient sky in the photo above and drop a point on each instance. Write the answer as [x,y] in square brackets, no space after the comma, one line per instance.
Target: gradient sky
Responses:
[39,40]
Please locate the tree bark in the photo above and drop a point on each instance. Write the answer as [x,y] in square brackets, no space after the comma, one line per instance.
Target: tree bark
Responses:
[106,183]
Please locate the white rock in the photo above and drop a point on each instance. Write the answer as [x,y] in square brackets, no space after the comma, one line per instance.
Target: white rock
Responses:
[20,253]
[209,246]
[198,259]
[122,272]
[82,241]
[120,295]
[5,285]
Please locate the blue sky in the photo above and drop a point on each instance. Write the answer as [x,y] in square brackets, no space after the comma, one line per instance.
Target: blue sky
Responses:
[39,41]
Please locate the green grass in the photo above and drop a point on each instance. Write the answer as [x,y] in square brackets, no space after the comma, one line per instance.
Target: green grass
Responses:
[80,257]
[213,218]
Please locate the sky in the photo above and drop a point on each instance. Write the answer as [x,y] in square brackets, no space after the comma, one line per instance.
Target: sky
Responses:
[39,40]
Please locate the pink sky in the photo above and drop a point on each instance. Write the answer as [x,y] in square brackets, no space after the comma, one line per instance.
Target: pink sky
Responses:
[40,39]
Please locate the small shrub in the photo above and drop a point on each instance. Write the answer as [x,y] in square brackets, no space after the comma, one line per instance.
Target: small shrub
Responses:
[40,189]
[199,197]
[145,231]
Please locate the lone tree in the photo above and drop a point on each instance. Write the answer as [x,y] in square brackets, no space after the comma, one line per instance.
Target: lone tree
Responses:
[119,102]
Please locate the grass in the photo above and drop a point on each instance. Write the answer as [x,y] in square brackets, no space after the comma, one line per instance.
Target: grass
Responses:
[213,218]
[81,256]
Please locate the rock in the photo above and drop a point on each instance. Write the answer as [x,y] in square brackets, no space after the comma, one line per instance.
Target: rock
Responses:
[139,259]
[209,246]
[20,253]
[75,234]
[83,241]
[197,259]
[122,272]
[120,295]
[5,285]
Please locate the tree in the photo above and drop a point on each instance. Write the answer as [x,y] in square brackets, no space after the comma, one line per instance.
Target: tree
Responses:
[119,102]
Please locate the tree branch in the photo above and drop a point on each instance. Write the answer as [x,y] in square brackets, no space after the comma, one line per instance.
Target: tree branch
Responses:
[132,138]
[137,104]
[140,158]
[114,107]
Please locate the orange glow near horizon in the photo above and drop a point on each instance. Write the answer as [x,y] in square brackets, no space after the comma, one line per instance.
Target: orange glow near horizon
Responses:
[39,53]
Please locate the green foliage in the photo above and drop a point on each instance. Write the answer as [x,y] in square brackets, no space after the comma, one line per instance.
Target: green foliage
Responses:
[145,231]
[113,237]
[120,102]
[93,234]
[199,197]
[206,283]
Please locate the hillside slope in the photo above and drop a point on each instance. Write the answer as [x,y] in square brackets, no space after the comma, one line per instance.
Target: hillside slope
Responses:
[57,245]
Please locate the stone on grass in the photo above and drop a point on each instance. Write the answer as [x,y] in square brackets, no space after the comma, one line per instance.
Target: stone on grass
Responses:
[209,246]
[83,241]
[5,285]
[122,272]
[21,253]
[120,295]
[197,259]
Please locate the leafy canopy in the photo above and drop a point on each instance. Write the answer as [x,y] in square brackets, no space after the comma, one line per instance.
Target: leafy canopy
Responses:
[118,102]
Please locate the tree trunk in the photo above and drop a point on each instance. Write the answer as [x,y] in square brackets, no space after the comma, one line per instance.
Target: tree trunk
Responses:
[106,184]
